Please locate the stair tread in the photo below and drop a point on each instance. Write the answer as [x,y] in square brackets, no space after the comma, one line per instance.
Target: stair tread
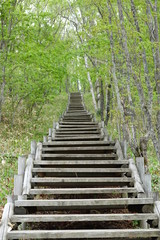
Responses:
[84,202]
[81,179]
[82,170]
[83,162]
[78,143]
[81,233]
[82,190]
[82,217]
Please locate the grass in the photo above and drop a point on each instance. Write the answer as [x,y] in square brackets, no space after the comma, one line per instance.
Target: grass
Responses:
[15,142]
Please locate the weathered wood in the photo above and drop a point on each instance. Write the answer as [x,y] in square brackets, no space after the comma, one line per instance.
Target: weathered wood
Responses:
[140,167]
[119,151]
[83,217]
[81,170]
[21,164]
[86,148]
[80,156]
[147,183]
[5,225]
[84,162]
[157,211]
[18,184]
[84,203]
[135,175]
[80,143]
[33,148]
[102,180]
[83,190]
[83,234]
[64,133]
[44,139]
[38,152]
[28,175]
[77,138]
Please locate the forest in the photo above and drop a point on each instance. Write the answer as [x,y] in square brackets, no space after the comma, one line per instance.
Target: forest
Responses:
[107,49]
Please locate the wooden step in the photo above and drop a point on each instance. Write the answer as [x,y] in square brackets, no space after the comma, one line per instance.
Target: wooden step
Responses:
[77,114]
[81,170]
[59,133]
[84,203]
[80,143]
[83,217]
[80,156]
[79,123]
[63,191]
[107,163]
[98,148]
[81,181]
[78,138]
[84,234]
[64,129]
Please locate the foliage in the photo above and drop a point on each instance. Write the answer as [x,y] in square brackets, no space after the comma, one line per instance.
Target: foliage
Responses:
[16,141]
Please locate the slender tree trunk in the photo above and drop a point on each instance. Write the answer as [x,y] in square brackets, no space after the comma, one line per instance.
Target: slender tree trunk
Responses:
[145,64]
[2,90]
[90,83]
[98,94]
[129,68]
[102,101]
[108,103]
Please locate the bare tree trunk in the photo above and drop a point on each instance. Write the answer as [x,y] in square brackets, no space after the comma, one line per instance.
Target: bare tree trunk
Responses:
[102,101]
[2,96]
[98,94]
[90,83]
[129,69]
[145,64]
[115,80]
[108,103]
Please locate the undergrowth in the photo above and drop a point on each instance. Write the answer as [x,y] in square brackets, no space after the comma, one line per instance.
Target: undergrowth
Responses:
[16,141]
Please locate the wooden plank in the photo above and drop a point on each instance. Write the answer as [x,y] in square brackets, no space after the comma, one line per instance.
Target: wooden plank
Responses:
[77,138]
[85,234]
[21,164]
[119,151]
[28,175]
[33,148]
[157,211]
[82,190]
[78,129]
[69,148]
[83,217]
[76,132]
[38,152]
[83,162]
[4,225]
[18,184]
[81,170]
[84,180]
[135,175]
[78,126]
[80,156]
[79,143]
[79,123]
[80,203]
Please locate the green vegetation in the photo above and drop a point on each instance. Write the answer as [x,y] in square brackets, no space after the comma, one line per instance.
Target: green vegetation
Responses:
[16,141]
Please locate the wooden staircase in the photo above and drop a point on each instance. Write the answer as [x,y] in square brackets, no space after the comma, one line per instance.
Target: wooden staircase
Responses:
[76,185]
